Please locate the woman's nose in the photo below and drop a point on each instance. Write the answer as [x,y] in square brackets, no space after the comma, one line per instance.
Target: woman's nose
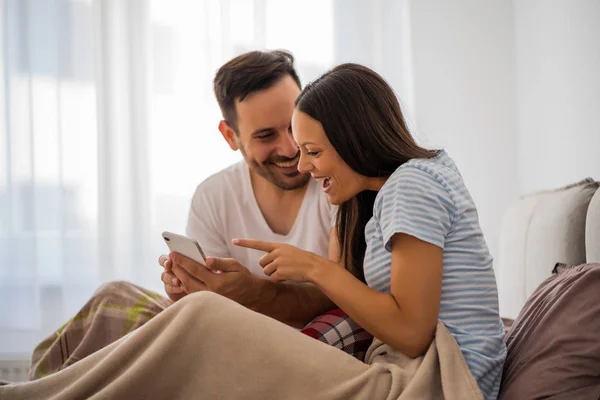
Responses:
[304,166]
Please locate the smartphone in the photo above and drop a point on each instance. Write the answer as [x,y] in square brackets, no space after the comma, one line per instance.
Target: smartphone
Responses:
[185,246]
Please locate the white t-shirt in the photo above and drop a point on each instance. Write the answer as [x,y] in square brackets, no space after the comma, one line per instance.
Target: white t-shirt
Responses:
[224,208]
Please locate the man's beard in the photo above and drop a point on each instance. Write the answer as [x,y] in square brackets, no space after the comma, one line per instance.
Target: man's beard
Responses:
[271,172]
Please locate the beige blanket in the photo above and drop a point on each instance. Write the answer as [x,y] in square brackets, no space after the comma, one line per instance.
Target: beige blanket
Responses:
[119,308]
[234,353]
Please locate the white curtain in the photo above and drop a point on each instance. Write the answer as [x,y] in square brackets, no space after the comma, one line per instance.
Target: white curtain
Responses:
[108,122]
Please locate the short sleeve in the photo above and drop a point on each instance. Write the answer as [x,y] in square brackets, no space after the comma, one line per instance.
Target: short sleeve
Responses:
[416,203]
[203,225]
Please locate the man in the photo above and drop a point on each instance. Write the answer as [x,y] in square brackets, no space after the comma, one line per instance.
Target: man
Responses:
[263,197]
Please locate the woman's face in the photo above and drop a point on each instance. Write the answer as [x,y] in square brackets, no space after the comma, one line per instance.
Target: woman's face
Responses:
[318,157]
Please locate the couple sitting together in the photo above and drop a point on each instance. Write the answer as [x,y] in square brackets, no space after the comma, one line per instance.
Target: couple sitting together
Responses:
[338,224]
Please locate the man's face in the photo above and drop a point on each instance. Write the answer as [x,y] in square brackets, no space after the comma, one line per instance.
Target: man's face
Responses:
[265,139]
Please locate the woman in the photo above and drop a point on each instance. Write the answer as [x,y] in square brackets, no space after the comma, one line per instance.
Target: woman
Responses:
[411,252]
[406,224]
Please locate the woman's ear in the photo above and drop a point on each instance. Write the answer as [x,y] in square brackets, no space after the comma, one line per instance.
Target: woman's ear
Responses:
[229,135]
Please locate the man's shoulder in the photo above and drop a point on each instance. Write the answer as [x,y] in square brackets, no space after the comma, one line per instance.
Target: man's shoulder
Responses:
[225,182]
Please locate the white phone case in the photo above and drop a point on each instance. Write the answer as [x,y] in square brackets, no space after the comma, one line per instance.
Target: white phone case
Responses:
[185,246]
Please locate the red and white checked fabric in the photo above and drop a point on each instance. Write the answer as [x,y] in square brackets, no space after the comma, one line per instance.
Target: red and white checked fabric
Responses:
[338,330]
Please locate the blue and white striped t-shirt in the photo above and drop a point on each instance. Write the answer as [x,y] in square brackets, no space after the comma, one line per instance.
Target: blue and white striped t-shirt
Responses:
[427,199]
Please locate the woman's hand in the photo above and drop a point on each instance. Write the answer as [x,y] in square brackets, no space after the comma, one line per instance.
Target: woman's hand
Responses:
[283,261]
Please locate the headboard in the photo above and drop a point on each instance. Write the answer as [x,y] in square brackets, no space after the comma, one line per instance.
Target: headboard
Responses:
[592,230]
[541,229]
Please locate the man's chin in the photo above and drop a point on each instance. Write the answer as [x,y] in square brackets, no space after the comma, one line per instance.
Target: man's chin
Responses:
[291,174]
[298,182]
[290,180]
[283,178]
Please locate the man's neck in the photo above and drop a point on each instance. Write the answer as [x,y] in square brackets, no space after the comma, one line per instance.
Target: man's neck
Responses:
[279,207]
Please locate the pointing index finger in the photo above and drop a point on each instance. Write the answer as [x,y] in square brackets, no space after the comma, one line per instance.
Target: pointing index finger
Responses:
[255,244]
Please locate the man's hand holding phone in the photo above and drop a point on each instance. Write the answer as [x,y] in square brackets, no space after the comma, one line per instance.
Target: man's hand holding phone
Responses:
[235,281]
[185,273]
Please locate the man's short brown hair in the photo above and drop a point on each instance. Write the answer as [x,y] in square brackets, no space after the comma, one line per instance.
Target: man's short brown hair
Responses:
[247,73]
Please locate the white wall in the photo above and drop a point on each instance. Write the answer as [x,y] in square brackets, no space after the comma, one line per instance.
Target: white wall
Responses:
[512,91]
[376,33]
[464,89]
[558,91]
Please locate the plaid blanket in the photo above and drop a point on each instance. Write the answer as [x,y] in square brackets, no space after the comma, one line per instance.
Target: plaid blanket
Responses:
[118,308]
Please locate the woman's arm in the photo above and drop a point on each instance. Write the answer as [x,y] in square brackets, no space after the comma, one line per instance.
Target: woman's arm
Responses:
[406,317]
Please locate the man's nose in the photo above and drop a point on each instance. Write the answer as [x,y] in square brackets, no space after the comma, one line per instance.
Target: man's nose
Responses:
[287,146]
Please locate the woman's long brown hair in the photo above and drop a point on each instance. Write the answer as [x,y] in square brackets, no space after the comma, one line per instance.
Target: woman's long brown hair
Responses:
[362,119]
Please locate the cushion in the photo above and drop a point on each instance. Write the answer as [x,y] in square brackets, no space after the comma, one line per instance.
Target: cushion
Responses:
[539,230]
[554,343]
[592,230]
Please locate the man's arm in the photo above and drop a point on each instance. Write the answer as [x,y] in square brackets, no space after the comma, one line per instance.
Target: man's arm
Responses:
[295,304]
